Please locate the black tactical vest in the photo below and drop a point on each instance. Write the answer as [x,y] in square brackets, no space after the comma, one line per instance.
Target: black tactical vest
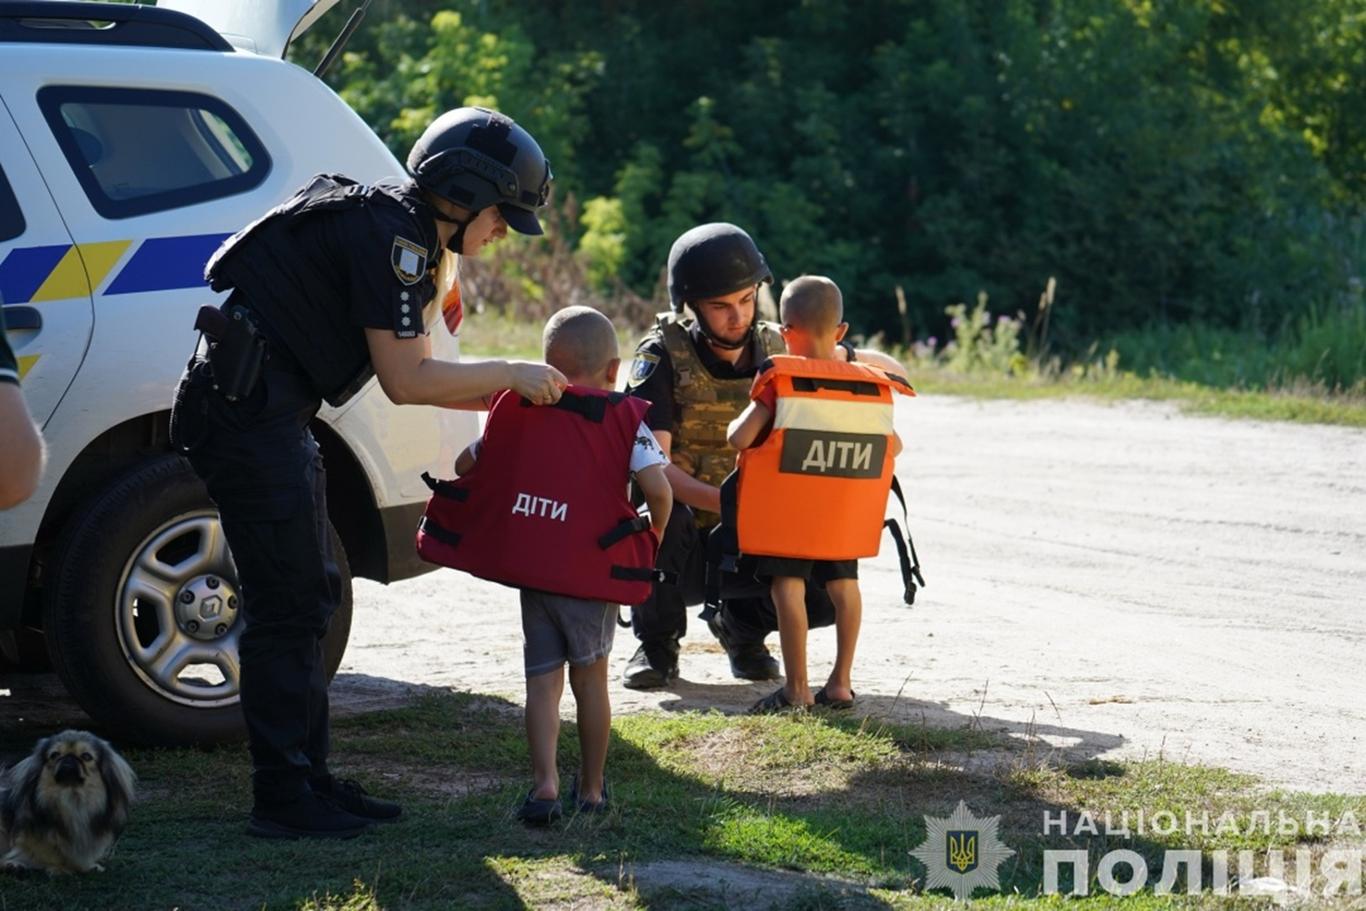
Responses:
[296,282]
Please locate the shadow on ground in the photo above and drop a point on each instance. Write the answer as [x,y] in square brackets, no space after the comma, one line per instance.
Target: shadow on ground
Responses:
[709,811]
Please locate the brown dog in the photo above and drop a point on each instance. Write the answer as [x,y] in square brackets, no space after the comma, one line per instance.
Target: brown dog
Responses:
[62,808]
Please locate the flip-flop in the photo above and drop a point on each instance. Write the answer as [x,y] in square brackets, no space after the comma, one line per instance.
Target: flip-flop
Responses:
[772,704]
[836,705]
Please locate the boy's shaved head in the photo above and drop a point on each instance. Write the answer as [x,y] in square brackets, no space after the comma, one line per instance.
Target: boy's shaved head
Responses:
[579,341]
[813,304]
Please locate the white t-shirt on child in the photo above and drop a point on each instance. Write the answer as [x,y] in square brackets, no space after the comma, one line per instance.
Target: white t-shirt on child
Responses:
[646,452]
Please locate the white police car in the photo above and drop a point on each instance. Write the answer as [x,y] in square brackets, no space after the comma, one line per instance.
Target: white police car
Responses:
[133,140]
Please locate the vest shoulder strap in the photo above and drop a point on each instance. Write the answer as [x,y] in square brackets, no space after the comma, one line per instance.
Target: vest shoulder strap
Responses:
[673,330]
[812,374]
[323,191]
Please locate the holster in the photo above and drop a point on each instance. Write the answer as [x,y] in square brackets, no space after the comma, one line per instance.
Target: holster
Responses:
[237,349]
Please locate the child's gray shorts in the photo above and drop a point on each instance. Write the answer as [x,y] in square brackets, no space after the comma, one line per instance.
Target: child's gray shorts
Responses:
[556,629]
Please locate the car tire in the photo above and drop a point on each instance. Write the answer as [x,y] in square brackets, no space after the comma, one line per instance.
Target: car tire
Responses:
[140,618]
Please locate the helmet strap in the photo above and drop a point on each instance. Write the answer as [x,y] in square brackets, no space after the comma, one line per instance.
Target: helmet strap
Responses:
[458,238]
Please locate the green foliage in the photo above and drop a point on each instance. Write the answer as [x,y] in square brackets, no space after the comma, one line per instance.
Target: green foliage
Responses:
[603,245]
[979,344]
[1170,161]
[1325,347]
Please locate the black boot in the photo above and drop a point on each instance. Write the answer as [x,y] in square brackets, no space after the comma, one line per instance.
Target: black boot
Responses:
[352,798]
[307,816]
[654,664]
[748,660]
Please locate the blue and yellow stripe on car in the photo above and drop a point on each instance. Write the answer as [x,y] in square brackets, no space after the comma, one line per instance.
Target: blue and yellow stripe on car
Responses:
[63,271]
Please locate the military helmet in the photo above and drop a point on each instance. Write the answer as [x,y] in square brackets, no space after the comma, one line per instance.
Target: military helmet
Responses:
[475,158]
[714,260]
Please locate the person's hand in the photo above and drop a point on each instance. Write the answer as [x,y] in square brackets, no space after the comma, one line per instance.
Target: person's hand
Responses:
[539,384]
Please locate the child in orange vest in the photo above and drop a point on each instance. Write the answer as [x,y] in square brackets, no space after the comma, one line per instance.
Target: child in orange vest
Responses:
[556,629]
[812,313]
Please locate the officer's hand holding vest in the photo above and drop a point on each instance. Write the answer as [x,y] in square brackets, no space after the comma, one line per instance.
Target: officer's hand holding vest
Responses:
[537,383]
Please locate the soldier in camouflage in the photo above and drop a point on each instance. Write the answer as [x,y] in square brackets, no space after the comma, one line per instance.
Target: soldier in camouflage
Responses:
[696,368]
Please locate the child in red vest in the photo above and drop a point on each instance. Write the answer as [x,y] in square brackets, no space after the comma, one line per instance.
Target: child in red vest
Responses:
[812,313]
[581,343]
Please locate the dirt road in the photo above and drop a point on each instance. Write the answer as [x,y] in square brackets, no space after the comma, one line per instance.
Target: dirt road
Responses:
[1121,580]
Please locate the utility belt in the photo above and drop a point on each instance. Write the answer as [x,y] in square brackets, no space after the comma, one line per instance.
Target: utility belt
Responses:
[239,349]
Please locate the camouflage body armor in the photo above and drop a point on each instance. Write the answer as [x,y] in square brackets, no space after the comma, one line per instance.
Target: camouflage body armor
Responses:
[706,405]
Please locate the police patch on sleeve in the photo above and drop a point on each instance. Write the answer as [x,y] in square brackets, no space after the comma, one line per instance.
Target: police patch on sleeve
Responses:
[644,365]
[409,260]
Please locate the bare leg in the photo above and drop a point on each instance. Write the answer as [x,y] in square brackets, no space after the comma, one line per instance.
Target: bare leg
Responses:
[595,725]
[789,600]
[543,730]
[848,618]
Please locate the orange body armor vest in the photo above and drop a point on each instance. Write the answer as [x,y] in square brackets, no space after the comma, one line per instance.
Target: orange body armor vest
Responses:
[816,488]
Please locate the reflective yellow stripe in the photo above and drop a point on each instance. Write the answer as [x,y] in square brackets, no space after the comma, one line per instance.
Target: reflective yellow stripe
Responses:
[81,268]
[26,362]
[101,258]
[66,280]
[838,416]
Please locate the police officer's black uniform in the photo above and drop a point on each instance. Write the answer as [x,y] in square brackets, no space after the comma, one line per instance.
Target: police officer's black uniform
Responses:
[661,621]
[311,276]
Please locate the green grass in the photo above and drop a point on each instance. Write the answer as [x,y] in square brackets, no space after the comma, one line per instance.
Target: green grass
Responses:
[494,335]
[500,335]
[1305,404]
[827,807]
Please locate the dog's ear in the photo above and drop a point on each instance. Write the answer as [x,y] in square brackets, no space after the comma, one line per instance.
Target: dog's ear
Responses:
[119,784]
[19,788]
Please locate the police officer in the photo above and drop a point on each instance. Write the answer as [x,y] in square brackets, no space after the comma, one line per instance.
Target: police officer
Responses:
[327,290]
[696,366]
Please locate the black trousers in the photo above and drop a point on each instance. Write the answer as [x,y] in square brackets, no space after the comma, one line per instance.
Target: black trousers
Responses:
[684,551]
[263,470]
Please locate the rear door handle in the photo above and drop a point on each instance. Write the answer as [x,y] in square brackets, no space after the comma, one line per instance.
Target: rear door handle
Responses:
[28,318]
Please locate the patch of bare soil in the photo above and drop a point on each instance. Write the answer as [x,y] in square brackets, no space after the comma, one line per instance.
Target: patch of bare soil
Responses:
[713,884]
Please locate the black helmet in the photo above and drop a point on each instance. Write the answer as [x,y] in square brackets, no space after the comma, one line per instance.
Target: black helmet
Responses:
[476,158]
[714,260]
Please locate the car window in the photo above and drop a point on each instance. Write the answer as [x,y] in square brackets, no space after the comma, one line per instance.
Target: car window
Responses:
[137,151]
[11,219]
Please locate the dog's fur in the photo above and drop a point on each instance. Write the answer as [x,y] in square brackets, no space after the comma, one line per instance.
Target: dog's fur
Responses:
[62,808]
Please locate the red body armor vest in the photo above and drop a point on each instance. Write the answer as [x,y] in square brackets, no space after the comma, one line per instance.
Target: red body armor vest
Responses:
[545,505]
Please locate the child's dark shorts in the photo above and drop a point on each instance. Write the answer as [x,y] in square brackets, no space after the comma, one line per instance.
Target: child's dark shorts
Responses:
[557,628]
[818,571]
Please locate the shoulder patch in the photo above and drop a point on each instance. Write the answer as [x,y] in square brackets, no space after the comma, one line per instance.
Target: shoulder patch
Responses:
[644,365]
[409,260]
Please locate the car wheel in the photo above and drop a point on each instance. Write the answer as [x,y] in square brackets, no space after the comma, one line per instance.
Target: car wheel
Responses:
[142,617]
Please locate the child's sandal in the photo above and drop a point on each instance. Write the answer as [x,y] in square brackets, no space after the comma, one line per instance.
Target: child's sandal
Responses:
[835,705]
[773,703]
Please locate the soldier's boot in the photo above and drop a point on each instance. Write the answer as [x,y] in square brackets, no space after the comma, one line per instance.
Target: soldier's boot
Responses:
[749,660]
[655,664]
